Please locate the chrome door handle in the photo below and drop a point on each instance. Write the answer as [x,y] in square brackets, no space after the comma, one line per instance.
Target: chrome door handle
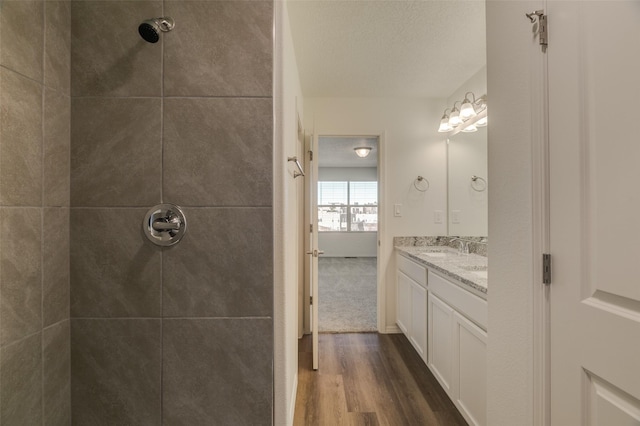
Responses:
[315,253]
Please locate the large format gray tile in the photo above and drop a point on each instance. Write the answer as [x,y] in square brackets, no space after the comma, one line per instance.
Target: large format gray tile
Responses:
[116,374]
[57,139]
[218,152]
[57,45]
[57,374]
[115,272]
[21,382]
[20,273]
[55,265]
[20,139]
[21,37]
[223,267]
[109,57]
[224,50]
[217,372]
[116,157]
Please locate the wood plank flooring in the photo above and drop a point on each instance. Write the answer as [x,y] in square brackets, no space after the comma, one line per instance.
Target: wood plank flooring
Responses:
[369,379]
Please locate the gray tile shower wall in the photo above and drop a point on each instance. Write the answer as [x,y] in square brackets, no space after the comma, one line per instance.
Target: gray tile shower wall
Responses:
[181,335]
[34,212]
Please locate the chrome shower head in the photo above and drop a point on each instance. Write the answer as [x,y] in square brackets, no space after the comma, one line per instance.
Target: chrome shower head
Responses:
[151,28]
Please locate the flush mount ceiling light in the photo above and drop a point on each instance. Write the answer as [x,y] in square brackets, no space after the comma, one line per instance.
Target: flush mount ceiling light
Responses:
[362,151]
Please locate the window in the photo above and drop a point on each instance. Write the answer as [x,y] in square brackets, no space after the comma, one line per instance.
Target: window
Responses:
[347,206]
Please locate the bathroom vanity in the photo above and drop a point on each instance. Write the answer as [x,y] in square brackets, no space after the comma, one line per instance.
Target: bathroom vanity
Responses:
[442,309]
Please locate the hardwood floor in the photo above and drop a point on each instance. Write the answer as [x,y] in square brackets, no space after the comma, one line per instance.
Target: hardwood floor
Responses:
[369,379]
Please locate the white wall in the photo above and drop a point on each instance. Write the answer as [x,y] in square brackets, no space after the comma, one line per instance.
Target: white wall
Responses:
[287,99]
[410,146]
[514,65]
[348,244]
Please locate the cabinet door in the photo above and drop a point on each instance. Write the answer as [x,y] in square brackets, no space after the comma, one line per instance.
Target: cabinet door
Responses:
[470,370]
[440,341]
[419,319]
[403,303]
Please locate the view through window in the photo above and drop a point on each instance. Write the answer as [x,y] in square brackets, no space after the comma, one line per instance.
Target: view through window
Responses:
[347,206]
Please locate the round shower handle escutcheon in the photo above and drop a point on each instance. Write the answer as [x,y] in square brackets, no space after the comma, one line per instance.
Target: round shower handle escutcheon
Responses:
[164,224]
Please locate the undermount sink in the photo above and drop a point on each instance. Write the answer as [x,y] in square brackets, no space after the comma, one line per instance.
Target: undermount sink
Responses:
[434,253]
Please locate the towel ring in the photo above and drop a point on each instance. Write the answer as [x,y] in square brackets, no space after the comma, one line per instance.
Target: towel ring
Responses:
[421,184]
[478,187]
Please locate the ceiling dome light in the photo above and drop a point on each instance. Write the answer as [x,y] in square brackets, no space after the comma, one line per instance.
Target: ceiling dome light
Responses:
[467,110]
[454,117]
[444,123]
[470,128]
[362,151]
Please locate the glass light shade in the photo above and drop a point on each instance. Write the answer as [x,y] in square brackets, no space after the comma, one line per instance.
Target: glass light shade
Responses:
[470,128]
[467,110]
[454,118]
[482,122]
[362,151]
[444,125]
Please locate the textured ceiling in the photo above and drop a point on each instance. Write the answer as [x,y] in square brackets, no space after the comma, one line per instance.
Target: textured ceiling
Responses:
[393,48]
[338,152]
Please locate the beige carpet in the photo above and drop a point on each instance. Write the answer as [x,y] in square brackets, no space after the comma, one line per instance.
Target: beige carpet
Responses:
[348,294]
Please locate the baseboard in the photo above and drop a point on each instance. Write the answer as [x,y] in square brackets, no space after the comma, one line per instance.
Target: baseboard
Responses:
[392,329]
[294,394]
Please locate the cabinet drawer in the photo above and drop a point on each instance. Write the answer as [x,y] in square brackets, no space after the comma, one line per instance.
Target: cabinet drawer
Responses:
[416,272]
[462,300]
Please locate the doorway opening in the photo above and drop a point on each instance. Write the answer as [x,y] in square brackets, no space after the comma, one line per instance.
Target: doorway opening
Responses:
[347,200]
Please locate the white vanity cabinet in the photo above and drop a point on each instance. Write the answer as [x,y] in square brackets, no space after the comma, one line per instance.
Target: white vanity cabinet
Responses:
[411,303]
[458,346]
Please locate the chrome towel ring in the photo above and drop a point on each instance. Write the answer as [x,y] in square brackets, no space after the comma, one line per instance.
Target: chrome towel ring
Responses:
[478,184]
[421,184]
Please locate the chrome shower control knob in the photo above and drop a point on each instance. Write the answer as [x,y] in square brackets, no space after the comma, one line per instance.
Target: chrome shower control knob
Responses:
[164,224]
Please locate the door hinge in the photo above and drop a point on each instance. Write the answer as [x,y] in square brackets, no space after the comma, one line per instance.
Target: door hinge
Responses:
[311,300]
[311,227]
[310,155]
[546,268]
[541,18]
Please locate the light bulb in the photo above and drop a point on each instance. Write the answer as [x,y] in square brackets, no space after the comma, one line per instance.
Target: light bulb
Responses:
[482,122]
[454,118]
[444,123]
[470,128]
[467,110]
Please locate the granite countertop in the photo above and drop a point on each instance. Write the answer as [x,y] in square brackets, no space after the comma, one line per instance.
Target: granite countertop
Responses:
[468,269]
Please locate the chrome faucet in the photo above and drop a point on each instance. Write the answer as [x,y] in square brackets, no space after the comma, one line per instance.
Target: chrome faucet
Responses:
[463,248]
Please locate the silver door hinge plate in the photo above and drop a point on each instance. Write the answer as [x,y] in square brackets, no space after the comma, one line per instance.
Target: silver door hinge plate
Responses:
[546,268]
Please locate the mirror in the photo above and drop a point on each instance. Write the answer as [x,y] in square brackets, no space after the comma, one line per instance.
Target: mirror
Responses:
[468,184]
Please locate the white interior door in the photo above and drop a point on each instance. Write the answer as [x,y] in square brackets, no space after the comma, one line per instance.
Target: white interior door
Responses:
[312,252]
[594,87]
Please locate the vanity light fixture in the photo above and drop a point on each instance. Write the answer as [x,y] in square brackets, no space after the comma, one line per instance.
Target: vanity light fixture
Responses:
[467,109]
[444,123]
[471,115]
[362,151]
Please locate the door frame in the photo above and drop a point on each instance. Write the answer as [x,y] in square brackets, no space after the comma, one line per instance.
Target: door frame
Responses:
[382,237]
